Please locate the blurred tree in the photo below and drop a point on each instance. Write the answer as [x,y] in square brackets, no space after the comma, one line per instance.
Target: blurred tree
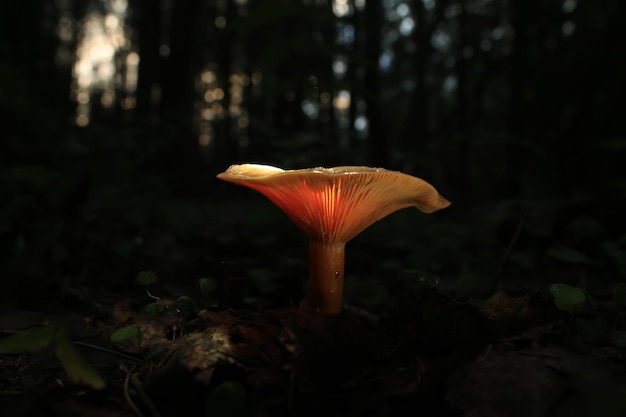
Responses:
[466,89]
[416,132]
[377,134]
[29,47]
[182,62]
[180,67]
[148,15]
[227,148]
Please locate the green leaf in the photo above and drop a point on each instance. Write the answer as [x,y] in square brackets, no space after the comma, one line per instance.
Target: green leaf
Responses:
[207,285]
[227,399]
[569,255]
[146,278]
[619,296]
[154,309]
[72,362]
[567,298]
[126,333]
[28,341]
[250,300]
[586,227]
[185,304]
[76,367]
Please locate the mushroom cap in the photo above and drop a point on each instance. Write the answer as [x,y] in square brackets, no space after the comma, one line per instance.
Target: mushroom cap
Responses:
[336,204]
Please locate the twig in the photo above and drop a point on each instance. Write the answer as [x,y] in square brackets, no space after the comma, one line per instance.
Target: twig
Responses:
[146,400]
[127,396]
[111,352]
[509,248]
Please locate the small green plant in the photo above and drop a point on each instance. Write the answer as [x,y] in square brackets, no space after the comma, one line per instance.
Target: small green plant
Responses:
[568,298]
[183,306]
[602,329]
[131,332]
[53,336]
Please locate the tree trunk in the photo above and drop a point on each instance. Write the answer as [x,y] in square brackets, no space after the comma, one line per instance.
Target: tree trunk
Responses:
[417,132]
[379,153]
[226,141]
[149,23]
[518,117]
[181,66]
[178,93]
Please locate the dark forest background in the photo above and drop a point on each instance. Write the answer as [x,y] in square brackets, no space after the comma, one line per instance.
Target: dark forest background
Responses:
[116,116]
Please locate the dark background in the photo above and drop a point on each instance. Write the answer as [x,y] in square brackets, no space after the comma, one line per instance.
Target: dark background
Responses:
[116,116]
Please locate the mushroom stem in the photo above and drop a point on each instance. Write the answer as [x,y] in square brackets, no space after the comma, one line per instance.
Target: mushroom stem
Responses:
[324,291]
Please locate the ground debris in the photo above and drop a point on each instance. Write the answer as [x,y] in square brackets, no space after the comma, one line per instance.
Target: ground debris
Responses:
[539,381]
[301,358]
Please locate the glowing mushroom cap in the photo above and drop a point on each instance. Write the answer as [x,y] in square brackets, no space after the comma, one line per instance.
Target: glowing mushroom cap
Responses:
[336,204]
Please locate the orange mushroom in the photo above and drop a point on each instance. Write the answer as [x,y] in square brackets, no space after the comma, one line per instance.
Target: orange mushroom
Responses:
[333,205]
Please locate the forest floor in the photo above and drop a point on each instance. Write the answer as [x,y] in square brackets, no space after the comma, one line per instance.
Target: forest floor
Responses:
[234,344]
[503,356]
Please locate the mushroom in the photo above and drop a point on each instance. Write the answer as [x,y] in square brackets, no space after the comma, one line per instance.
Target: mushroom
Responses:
[333,205]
